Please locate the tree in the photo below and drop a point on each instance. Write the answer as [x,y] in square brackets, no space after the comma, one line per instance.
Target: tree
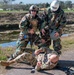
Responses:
[21,3]
[62,4]
[5,1]
[47,5]
[68,4]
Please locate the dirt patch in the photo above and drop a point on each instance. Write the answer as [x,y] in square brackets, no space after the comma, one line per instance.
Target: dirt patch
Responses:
[14,18]
[2,70]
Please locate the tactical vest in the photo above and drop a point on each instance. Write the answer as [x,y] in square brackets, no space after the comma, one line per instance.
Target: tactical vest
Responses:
[33,22]
[44,58]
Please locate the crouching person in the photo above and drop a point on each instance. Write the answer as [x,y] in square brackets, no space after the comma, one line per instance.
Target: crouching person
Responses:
[44,59]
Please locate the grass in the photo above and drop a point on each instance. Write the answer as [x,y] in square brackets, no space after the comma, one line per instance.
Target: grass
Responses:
[2,57]
[5,52]
[69,10]
[67,42]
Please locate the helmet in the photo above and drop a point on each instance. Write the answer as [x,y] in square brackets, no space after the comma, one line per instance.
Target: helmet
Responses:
[54,5]
[34,7]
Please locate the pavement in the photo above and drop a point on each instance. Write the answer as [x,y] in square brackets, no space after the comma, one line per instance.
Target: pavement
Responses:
[66,67]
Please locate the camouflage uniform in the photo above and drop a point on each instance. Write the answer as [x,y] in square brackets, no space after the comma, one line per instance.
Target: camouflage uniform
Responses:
[46,37]
[57,22]
[27,23]
[43,57]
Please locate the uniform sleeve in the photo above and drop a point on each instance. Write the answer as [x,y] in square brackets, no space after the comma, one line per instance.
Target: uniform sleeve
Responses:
[23,23]
[62,22]
[40,22]
[43,25]
[46,19]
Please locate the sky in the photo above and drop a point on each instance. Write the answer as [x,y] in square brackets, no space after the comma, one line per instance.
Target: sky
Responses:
[37,1]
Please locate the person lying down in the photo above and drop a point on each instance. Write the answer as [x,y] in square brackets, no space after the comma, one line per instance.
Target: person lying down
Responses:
[43,58]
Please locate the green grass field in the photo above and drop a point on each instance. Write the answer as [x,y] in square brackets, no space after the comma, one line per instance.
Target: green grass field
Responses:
[69,11]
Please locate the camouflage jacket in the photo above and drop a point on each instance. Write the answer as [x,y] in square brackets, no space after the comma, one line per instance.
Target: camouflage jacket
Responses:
[44,18]
[56,20]
[44,56]
[29,22]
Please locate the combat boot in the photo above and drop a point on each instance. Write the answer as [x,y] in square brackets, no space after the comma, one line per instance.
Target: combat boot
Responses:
[6,63]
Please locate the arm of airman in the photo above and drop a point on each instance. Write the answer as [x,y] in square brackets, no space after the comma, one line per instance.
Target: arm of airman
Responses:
[62,23]
[22,22]
[39,50]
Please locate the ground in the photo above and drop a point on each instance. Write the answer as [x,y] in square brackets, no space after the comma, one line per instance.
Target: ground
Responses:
[66,61]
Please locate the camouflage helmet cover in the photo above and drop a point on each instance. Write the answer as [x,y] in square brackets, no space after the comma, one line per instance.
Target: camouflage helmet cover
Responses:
[34,7]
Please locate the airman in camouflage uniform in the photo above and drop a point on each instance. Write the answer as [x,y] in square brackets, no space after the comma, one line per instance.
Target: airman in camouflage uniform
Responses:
[44,59]
[29,25]
[57,22]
